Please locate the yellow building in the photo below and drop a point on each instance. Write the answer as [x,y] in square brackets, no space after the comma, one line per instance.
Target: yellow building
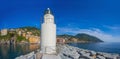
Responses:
[24,34]
[27,36]
[29,33]
[4,32]
[19,33]
[34,39]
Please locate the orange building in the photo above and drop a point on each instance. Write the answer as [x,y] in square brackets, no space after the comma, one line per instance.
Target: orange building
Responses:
[34,39]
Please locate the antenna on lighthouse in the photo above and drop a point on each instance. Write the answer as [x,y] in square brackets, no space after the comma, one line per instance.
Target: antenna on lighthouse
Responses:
[48,10]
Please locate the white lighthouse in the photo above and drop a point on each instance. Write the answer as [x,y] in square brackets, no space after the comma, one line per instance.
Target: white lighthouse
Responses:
[48,33]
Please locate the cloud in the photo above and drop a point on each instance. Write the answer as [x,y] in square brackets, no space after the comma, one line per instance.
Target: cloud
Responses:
[92,31]
[113,27]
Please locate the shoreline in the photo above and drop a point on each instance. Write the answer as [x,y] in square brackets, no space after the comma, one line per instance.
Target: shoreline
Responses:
[71,52]
[66,51]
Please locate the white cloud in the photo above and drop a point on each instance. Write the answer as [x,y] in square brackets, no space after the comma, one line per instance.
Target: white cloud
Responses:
[93,31]
[113,27]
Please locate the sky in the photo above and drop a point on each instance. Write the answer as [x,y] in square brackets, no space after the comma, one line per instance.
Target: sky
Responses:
[100,18]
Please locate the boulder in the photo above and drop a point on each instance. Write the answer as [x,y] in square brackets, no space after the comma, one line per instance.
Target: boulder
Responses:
[100,57]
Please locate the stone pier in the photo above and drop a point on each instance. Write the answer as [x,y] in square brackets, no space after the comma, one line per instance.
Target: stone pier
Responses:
[39,55]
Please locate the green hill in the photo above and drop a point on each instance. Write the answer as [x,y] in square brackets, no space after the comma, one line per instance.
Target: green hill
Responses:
[87,37]
[81,37]
[34,30]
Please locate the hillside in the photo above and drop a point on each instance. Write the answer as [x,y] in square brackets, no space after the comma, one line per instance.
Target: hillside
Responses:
[81,37]
[33,31]
[87,37]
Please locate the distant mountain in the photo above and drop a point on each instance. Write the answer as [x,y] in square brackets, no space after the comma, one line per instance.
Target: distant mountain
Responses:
[81,37]
[66,36]
[87,37]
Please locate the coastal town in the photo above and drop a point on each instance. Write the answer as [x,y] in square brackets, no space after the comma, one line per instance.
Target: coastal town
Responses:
[12,36]
[23,36]
[31,35]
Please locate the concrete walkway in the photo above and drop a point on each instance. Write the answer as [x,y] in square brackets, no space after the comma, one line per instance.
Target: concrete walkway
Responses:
[46,56]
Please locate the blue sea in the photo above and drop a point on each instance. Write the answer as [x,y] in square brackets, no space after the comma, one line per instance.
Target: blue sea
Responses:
[99,47]
[12,51]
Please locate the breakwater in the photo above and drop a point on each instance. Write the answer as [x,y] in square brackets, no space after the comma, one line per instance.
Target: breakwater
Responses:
[69,52]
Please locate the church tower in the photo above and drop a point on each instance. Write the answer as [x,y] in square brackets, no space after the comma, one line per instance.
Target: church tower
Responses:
[48,33]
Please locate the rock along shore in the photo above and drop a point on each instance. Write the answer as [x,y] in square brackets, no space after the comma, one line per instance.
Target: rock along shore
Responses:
[70,52]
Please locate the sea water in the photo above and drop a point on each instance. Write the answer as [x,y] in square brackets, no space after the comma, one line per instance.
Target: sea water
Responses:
[99,47]
[12,51]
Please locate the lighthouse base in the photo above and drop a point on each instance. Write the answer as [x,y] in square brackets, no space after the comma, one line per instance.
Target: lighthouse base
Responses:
[51,56]
[48,50]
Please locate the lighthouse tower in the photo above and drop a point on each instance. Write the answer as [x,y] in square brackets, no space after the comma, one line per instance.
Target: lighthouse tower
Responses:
[48,33]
